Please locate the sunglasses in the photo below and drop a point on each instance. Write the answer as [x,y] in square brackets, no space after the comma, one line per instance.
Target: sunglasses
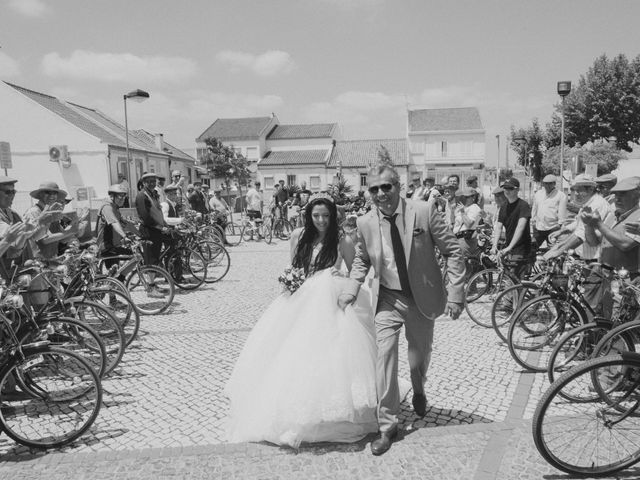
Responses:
[50,192]
[508,188]
[385,187]
[8,192]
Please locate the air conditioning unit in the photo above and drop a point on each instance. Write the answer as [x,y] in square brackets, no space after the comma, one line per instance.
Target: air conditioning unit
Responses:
[58,153]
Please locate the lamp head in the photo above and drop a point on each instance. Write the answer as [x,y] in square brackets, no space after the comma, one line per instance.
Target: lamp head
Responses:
[137,95]
[564,88]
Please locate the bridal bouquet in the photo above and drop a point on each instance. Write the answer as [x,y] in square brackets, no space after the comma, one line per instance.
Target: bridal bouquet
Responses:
[292,278]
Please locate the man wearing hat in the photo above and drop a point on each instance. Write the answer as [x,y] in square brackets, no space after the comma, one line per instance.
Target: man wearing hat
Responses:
[549,209]
[45,243]
[605,184]
[152,226]
[170,210]
[514,216]
[14,233]
[472,182]
[111,228]
[416,186]
[466,219]
[197,200]
[620,245]
[589,239]
[178,181]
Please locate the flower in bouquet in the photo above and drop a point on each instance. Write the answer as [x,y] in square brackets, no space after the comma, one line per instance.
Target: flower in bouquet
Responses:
[292,278]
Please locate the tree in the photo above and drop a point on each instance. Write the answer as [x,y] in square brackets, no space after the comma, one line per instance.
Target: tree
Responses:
[530,153]
[604,105]
[223,161]
[340,191]
[606,155]
[384,158]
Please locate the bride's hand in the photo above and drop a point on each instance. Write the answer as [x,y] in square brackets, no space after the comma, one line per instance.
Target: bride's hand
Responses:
[345,299]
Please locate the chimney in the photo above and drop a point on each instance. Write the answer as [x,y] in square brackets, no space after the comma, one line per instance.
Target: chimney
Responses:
[159,138]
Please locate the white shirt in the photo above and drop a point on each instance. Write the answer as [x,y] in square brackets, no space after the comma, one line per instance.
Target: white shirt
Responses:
[254,200]
[606,211]
[472,212]
[165,213]
[549,210]
[389,272]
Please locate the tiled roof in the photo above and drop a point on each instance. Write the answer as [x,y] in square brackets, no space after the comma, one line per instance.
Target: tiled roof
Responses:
[72,116]
[97,124]
[314,130]
[169,149]
[236,128]
[362,153]
[294,157]
[438,119]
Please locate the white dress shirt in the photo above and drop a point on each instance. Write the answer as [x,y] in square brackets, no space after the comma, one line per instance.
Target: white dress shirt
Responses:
[389,277]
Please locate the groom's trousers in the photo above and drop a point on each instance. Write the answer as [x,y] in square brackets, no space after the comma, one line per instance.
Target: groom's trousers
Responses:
[394,310]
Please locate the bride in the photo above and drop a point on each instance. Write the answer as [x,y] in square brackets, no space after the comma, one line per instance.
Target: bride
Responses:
[307,370]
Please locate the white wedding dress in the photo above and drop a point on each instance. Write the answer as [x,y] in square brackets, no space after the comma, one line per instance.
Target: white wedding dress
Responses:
[307,370]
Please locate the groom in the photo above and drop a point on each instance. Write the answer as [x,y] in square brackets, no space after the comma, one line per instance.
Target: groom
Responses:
[397,239]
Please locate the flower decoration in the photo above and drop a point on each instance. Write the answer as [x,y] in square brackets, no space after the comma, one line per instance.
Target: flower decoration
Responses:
[292,278]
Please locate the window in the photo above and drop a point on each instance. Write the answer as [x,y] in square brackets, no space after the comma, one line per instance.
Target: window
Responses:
[291,180]
[268,183]
[363,181]
[443,148]
[314,182]
[252,153]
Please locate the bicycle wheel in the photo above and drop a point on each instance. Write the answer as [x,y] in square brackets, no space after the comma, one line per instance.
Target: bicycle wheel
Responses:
[105,324]
[282,229]
[150,297]
[595,437]
[233,232]
[68,401]
[71,335]
[507,303]
[267,233]
[120,306]
[623,338]
[536,329]
[574,348]
[248,233]
[188,268]
[218,263]
[481,292]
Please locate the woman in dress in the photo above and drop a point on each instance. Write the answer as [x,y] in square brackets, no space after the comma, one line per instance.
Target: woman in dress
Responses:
[307,370]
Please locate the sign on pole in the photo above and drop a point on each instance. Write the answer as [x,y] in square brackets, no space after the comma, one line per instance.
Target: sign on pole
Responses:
[5,155]
[591,169]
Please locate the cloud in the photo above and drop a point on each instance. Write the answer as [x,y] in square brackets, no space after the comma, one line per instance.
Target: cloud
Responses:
[8,66]
[118,67]
[355,106]
[268,64]
[29,8]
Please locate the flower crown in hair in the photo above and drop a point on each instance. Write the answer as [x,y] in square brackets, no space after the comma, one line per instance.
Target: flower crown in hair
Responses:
[319,195]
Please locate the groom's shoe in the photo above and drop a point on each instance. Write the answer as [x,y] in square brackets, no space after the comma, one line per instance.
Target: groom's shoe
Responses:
[419,404]
[382,444]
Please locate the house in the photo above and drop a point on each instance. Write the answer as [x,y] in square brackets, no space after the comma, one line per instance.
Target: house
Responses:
[91,146]
[353,158]
[445,141]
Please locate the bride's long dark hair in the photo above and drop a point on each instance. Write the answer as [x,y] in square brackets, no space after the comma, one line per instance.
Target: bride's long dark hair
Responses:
[329,253]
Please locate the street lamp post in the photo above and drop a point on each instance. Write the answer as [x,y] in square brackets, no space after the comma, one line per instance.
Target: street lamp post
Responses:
[136,96]
[498,160]
[522,142]
[564,89]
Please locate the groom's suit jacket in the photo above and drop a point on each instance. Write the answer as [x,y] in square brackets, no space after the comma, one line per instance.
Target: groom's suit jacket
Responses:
[424,229]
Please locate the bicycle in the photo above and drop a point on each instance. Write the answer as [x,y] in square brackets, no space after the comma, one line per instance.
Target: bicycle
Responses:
[598,434]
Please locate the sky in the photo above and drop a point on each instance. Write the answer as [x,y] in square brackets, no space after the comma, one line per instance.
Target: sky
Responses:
[359,63]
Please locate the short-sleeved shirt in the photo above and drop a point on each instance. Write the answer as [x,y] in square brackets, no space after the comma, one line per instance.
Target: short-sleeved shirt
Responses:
[7,218]
[509,215]
[549,210]
[49,250]
[254,200]
[606,211]
[472,212]
[616,258]
[107,237]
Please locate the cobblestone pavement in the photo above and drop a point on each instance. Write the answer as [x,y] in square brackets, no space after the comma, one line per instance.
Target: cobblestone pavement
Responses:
[164,411]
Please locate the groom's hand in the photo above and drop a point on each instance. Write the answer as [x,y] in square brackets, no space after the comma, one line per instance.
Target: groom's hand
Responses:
[345,299]
[453,309]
